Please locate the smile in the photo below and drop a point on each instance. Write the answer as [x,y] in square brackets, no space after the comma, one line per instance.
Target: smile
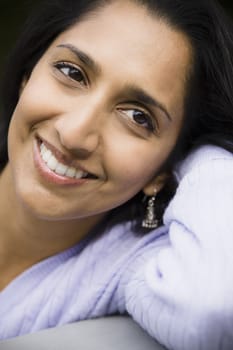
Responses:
[59,168]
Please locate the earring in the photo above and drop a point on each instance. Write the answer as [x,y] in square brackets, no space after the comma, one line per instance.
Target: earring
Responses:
[150,220]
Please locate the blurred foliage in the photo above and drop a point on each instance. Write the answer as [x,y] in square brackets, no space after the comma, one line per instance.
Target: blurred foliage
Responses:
[14,12]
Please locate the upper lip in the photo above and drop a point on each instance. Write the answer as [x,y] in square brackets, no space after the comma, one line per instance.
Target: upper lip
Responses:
[63,158]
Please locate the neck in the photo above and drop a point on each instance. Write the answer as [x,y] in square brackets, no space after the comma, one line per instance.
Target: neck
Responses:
[26,239]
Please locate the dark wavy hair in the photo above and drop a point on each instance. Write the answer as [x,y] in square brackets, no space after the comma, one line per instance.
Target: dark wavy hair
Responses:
[208,114]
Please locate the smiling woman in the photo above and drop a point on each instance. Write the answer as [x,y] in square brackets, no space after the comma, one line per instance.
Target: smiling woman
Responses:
[108,103]
[97,114]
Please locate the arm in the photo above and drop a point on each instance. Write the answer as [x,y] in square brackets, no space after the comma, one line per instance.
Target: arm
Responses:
[183,295]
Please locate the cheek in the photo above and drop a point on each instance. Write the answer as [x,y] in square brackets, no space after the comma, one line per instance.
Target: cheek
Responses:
[38,100]
[28,110]
[133,164]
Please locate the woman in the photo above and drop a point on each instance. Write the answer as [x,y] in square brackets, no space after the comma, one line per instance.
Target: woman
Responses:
[104,99]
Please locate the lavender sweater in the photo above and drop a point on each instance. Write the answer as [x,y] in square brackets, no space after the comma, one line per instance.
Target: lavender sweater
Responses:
[176,282]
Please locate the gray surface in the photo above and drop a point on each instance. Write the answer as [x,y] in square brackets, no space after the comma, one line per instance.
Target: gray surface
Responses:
[111,333]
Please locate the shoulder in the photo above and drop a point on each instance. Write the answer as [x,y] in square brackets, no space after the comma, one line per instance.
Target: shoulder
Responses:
[205,182]
[205,156]
[181,293]
[204,198]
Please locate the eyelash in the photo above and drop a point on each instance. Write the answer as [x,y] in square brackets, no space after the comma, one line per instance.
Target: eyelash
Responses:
[150,124]
[68,66]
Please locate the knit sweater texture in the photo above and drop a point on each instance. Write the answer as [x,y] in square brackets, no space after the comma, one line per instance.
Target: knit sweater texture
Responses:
[176,282]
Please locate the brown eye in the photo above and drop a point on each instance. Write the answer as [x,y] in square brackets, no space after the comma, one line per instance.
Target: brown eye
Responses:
[140,118]
[71,72]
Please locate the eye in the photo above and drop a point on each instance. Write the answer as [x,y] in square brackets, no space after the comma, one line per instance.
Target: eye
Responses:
[140,118]
[72,72]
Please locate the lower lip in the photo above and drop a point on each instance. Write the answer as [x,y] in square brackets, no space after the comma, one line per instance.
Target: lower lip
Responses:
[51,176]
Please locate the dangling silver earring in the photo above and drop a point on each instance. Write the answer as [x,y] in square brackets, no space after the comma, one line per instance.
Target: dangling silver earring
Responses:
[150,220]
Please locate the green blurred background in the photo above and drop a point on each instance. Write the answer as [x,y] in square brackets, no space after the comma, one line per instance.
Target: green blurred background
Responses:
[14,12]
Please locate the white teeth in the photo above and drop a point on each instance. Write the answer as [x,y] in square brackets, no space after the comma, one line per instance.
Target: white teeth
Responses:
[43,148]
[71,172]
[46,155]
[58,167]
[52,163]
[79,174]
[61,169]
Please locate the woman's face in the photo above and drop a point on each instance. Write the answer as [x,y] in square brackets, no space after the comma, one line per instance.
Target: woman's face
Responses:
[99,114]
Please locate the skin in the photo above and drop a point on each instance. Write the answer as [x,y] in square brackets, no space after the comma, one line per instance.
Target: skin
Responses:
[91,121]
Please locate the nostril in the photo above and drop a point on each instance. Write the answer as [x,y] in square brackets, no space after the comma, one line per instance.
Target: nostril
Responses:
[79,144]
[80,153]
[78,135]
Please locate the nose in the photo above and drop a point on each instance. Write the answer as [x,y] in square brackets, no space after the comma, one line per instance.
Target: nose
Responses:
[79,129]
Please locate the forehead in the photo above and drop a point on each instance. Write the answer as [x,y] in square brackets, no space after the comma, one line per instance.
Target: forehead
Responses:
[132,45]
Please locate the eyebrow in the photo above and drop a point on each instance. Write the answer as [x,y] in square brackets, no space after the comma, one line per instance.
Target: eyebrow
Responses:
[83,57]
[139,94]
[143,97]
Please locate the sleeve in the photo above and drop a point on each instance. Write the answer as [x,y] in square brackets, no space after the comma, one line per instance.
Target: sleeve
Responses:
[182,294]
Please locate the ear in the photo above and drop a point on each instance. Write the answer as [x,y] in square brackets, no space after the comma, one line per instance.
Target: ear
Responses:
[156,183]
